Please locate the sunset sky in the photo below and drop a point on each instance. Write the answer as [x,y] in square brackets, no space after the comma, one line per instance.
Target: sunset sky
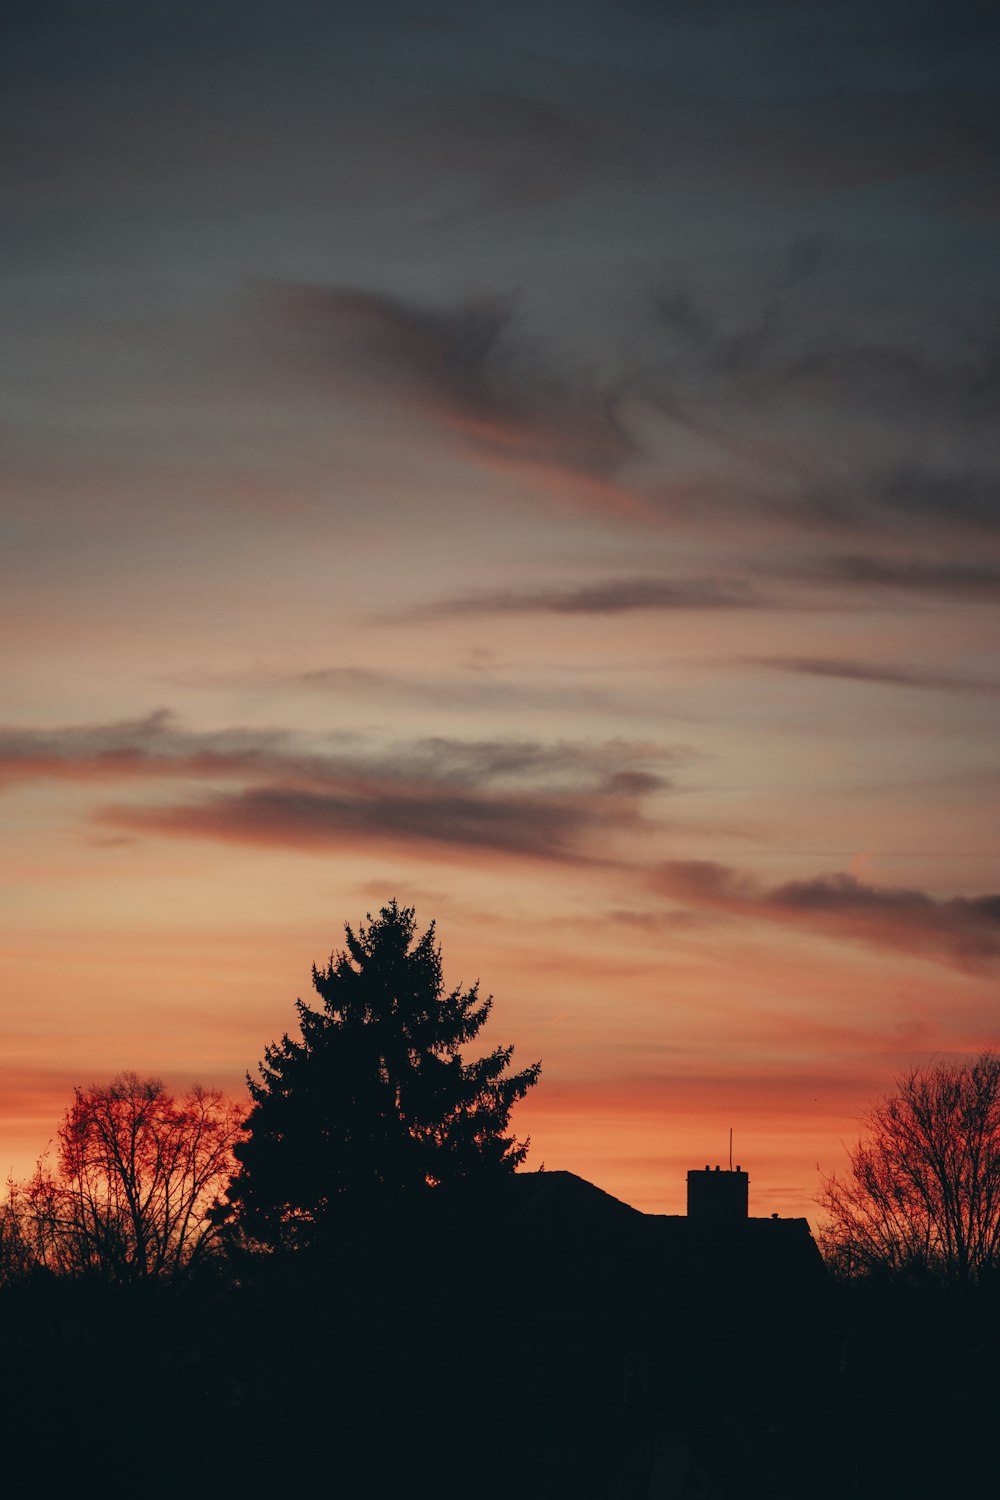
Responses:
[538,461]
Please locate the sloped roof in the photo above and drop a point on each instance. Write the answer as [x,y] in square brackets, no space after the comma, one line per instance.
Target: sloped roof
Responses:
[563,1220]
[568,1198]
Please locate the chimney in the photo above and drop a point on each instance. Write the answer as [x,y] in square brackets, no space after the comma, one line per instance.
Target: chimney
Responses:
[718,1197]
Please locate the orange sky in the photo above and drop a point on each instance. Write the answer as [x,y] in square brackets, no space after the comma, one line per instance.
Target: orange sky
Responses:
[543,472]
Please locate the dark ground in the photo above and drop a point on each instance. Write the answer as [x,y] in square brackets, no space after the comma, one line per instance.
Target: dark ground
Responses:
[513,1352]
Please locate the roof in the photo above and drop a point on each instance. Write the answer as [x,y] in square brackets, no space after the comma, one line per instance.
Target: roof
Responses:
[561,1222]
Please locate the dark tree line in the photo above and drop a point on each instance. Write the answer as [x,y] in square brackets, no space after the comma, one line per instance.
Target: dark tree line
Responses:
[374,1101]
[279,1301]
[343,1291]
[377,1100]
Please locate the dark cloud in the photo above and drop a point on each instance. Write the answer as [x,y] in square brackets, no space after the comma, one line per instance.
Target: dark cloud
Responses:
[772,352]
[961,931]
[900,378]
[875,672]
[750,389]
[158,745]
[931,502]
[376,816]
[564,763]
[716,349]
[555,799]
[439,357]
[616,596]
[153,746]
[685,319]
[490,799]
[959,580]
[459,367]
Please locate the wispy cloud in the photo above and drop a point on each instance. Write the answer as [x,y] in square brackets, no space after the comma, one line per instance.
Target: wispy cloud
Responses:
[613,596]
[154,746]
[474,685]
[974,581]
[771,351]
[963,931]
[765,387]
[159,745]
[460,368]
[711,413]
[377,817]
[560,800]
[875,672]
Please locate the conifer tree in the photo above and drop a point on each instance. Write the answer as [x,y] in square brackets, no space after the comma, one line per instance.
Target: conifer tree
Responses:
[377,1097]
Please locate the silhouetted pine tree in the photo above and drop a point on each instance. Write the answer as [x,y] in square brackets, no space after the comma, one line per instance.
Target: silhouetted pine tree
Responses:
[376,1098]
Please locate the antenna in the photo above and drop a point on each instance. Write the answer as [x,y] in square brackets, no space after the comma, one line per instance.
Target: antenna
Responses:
[730,1148]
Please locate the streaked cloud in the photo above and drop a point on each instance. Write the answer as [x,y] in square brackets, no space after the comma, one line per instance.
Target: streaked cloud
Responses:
[559,800]
[610,597]
[881,673]
[461,368]
[962,580]
[963,931]
[153,746]
[158,744]
[377,818]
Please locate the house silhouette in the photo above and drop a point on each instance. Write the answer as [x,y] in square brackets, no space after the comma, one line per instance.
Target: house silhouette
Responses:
[696,1335]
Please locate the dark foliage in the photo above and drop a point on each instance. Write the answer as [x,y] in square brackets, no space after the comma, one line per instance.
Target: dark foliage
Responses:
[507,1345]
[377,1098]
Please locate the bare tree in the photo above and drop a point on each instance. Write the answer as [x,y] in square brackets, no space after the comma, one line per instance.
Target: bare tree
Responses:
[921,1197]
[137,1172]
